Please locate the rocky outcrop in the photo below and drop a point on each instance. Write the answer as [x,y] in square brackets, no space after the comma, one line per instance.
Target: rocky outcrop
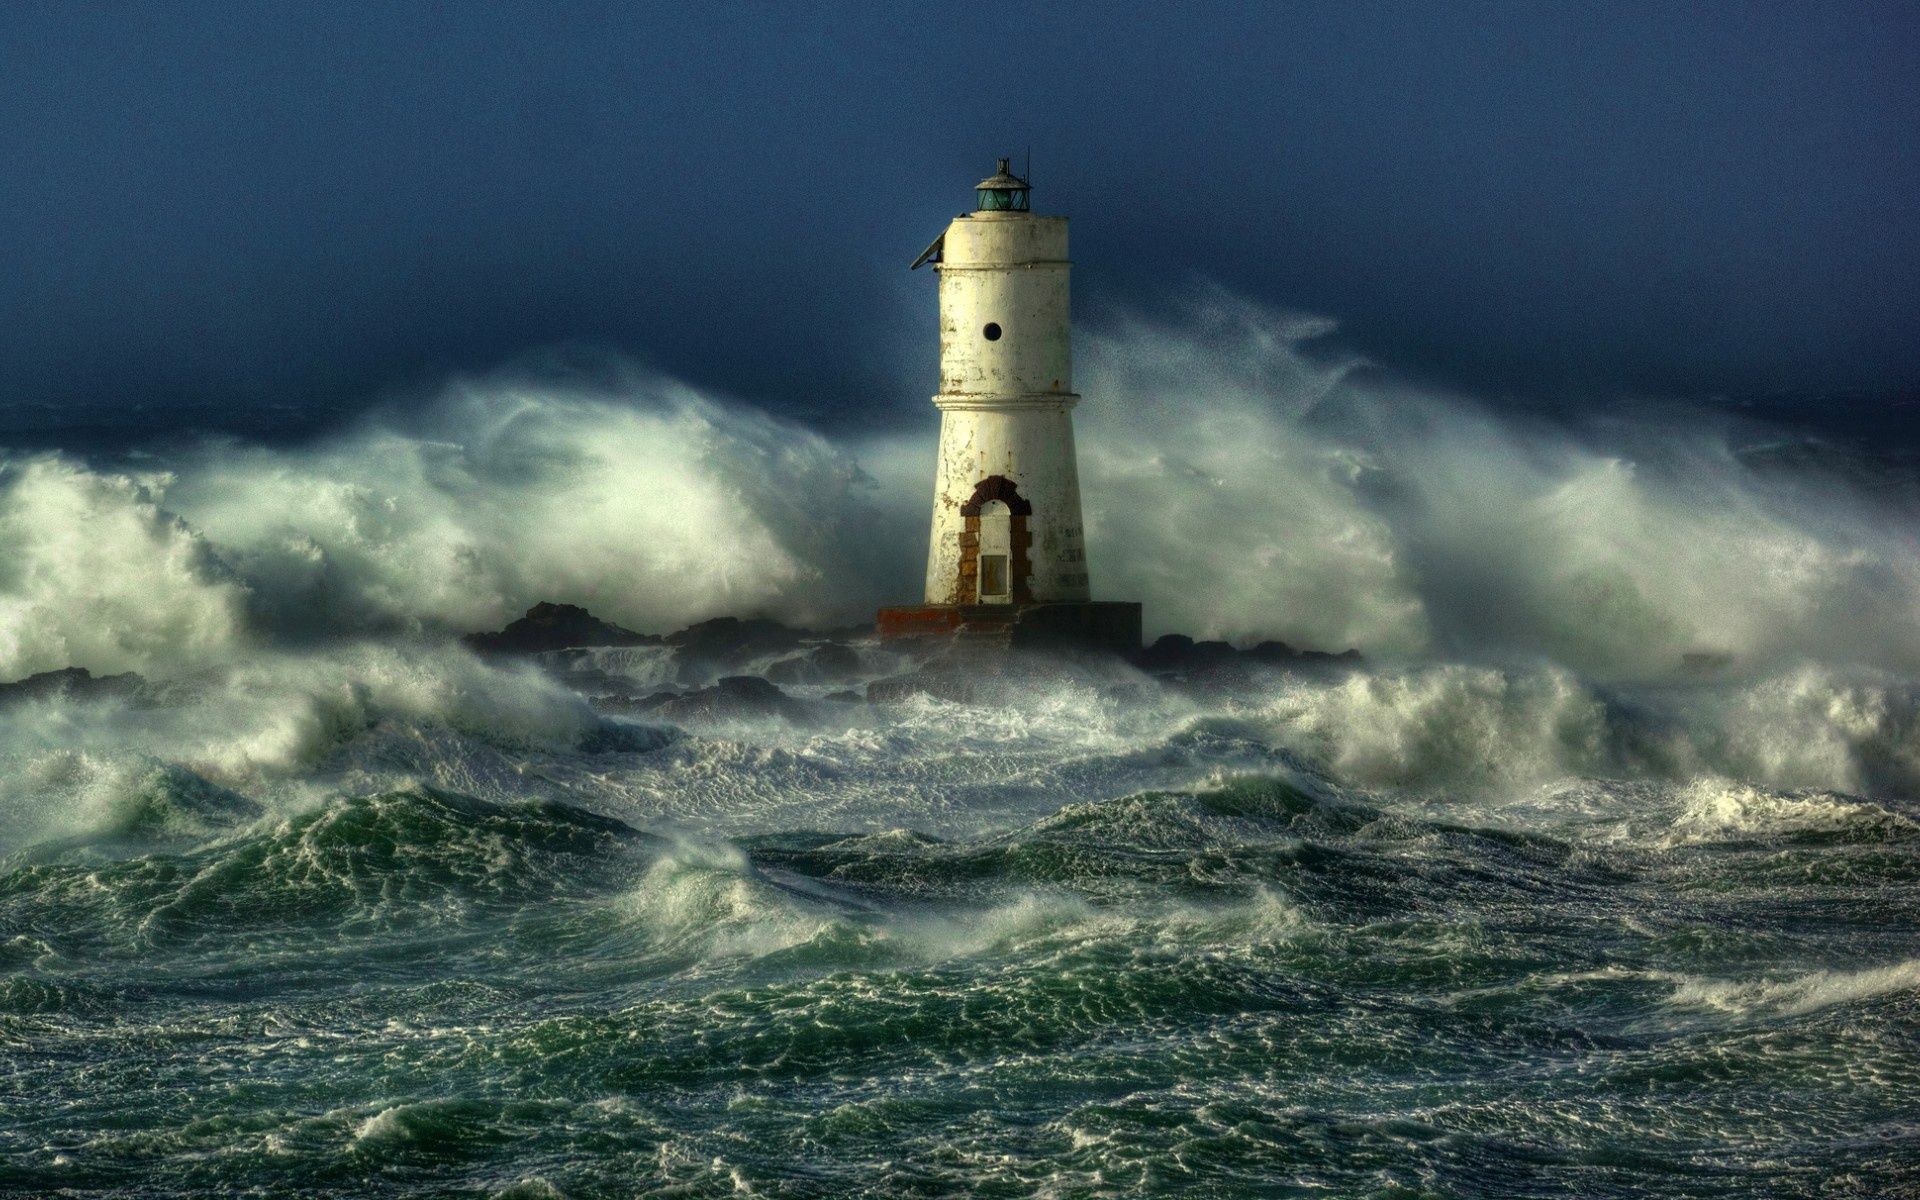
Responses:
[959,666]
[1178,654]
[734,696]
[828,662]
[702,652]
[549,626]
[729,643]
[71,683]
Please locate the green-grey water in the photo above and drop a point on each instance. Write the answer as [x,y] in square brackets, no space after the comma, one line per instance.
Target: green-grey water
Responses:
[1446,932]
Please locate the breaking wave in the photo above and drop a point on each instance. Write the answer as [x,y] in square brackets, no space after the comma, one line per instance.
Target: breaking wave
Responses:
[651,505]
[463,942]
[1608,854]
[1339,508]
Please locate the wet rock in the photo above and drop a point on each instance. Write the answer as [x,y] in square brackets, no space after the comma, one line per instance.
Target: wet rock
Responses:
[1176,652]
[72,683]
[1281,654]
[825,663]
[1270,652]
[627,705]
[977,671]
[589,681]
[729,643]
[602,670]
[733,696]
[549,626]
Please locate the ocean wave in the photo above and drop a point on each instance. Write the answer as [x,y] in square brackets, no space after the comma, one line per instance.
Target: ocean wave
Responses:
[1798,994]
[1482,729]
[651,504]
[1589,856]
[361,865]
[1717,810]
[1339,510]
[77,796]
[279,717]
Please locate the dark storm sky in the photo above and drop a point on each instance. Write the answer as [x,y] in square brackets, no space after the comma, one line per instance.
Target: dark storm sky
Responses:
[260,216]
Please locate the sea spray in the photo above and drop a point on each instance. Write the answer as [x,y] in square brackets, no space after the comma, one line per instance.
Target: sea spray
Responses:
[1341,509]
[1600,874]
[1236,935]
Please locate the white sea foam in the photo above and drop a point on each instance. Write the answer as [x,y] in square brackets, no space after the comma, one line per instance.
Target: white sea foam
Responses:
[651,505]
[1247,488]
[1484,728]
[705,897]
[1235,481]
[1443,725]
[1800,993]
[1713,809]
[266,725]
[95,572]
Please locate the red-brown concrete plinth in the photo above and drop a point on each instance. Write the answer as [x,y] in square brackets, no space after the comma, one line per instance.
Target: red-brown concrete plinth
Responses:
[1111,625]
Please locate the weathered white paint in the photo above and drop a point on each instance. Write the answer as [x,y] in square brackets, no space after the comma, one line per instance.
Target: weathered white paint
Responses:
[1006,404]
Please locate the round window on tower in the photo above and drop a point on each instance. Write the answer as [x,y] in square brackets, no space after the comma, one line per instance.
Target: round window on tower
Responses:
[992,331]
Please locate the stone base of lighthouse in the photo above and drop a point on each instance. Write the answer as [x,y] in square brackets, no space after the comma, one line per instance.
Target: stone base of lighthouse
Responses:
[1112,626]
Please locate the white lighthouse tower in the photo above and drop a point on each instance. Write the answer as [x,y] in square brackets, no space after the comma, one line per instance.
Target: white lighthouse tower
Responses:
[1006,539]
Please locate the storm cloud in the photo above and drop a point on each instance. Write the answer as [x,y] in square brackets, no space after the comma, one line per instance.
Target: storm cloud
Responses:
[262,218]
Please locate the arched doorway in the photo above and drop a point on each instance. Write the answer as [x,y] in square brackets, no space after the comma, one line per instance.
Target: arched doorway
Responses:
[995,566]
[996,547]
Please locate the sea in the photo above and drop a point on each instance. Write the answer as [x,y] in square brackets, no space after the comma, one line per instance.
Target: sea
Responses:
[1598,875]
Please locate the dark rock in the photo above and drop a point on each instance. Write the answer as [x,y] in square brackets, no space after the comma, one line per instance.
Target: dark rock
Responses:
[826,663]
[1271,652]
[847,633]
[549,626]
[1346,658]
[729,643]
[590,681]
[1281,654]
[1245,672]
[845,697]
[71,683]
[733,696]
[631,705]
[976,671]
[585,669]
[1177,652]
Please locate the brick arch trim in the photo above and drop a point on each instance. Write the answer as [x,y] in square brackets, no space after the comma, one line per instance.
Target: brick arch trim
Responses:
[997,487]
[1020,540]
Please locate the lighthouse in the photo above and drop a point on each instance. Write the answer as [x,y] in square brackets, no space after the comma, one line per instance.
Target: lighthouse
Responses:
[1007,551]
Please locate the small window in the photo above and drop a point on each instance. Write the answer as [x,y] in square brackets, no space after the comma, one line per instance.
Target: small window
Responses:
[993,574]
[1002,199]
[992,331]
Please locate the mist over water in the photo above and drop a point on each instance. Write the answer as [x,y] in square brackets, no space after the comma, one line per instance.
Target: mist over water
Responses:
[1602,875]
[1237,482]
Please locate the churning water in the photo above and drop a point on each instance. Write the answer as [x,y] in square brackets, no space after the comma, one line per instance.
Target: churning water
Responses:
[1601,879]
[1394,934]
